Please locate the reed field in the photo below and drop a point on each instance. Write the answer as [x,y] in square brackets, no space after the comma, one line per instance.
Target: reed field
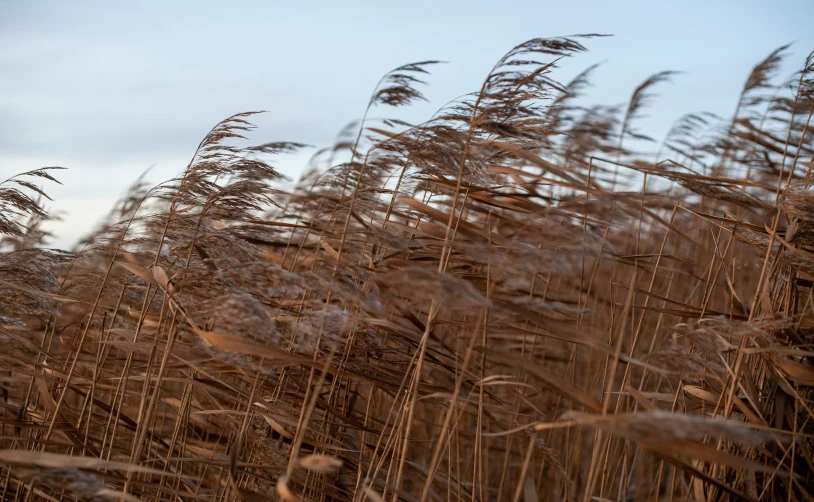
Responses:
[521,298]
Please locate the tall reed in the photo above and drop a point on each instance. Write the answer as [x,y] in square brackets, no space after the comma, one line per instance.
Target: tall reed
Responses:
[518,299]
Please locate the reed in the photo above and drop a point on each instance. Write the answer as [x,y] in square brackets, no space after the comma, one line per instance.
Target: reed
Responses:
[519,299]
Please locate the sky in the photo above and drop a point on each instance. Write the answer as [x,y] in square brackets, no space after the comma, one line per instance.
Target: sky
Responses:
[111,88]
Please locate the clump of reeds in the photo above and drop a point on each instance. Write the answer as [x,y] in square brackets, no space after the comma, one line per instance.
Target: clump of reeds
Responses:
[514,299]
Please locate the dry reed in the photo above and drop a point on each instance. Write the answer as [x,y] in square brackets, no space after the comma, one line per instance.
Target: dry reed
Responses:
[512,300]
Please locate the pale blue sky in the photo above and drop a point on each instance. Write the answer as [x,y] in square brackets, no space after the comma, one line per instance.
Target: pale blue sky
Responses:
[109,88]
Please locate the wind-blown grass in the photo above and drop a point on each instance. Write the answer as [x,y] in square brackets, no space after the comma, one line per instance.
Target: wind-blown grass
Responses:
[517,299]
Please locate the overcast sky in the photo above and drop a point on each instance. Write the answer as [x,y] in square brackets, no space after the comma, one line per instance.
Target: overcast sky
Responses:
[110,88]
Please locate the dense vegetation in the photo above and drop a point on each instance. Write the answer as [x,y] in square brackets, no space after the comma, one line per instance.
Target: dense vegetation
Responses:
[521,298]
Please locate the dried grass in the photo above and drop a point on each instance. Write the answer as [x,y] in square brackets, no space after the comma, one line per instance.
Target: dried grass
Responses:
[513,299]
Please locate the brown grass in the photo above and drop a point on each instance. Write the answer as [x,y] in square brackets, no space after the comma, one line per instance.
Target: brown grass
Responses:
[514,300]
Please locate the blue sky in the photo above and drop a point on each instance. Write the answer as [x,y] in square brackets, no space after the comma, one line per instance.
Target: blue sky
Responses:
[109,88]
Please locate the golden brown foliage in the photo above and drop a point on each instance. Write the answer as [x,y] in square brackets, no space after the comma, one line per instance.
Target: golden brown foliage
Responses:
[471,308]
